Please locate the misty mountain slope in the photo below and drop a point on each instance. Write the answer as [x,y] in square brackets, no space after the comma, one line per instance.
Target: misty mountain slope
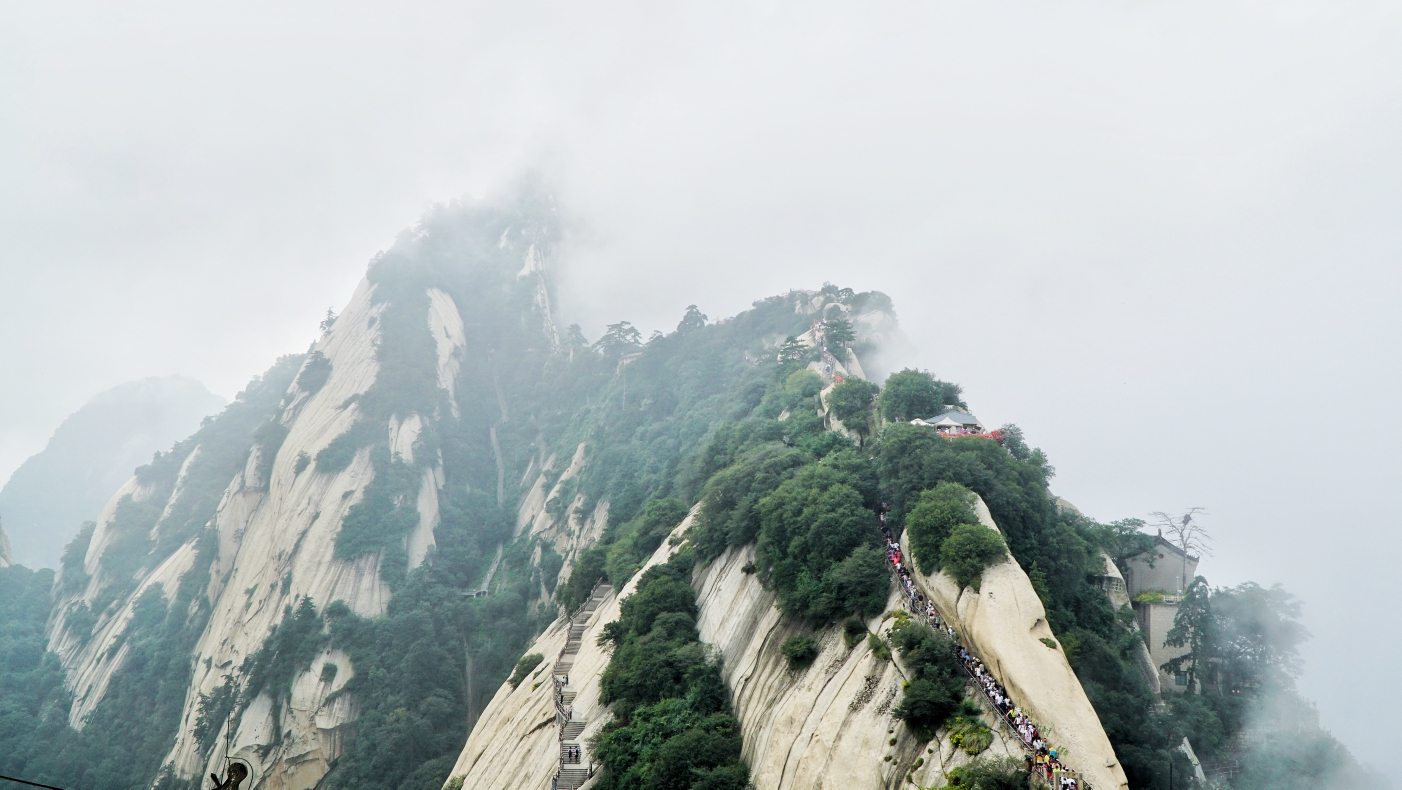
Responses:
[6,558]
[818,727]
[336,574]
[268,569]
[90,454]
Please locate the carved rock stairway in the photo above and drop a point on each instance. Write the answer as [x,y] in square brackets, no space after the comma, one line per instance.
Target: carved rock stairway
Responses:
[572,773]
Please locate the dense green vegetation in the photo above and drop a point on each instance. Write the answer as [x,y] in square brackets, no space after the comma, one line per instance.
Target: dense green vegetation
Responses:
[851,402]
[672,727]
[910,394]
[968,550]
[933,517]
[127,735]
[799,651]
[383,517]
[988,774]
[524,667]
[316,371]
[224,443]
[936,688]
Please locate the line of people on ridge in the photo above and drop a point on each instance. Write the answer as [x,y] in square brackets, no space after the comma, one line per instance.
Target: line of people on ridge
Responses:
[1044,758]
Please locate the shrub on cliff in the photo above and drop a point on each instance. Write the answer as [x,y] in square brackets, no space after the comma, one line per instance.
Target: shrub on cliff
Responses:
[672,726]
[851,402]
[970,549]
[935,691]
[524,667]
[935,515]
[800,651]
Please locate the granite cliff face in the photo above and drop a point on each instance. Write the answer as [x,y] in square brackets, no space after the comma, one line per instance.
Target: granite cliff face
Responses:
[271,539]
[1003,622]
[276,534]
[830,725]
[443,448]
[827,726]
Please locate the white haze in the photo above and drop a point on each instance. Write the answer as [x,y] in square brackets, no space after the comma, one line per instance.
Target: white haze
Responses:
[1161,237]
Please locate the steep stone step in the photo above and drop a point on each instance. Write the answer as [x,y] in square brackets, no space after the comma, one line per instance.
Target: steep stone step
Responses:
[571,730]
[571,778]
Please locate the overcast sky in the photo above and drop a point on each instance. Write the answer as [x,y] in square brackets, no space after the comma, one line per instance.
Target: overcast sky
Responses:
[1161,237]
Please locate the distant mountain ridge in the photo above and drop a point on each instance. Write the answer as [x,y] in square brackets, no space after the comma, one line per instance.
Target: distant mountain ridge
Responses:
[90,455]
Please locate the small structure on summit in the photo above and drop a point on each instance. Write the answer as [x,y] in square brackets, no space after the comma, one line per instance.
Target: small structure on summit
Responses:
[953,422]
[1165,568]
[1156,580]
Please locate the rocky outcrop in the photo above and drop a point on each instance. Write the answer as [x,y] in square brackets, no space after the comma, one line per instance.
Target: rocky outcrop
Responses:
[1004,623]
[1118,593]
[276,545]
[830,725]
[515,743]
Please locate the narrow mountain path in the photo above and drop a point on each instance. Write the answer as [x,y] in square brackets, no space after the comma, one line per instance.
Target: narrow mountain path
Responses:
[572,772]
[1047,769]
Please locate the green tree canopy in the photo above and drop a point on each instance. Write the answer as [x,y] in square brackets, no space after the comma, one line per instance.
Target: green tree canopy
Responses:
[619,339]
[728,505]
[1259,635]
[935,515]
[811,528]
[968,550]
[692,321]
[934,693]
[839,332]
[803,384]
[672,727]
[1195,628]
[793,351]
[574,337]
[909,394]
[851,402]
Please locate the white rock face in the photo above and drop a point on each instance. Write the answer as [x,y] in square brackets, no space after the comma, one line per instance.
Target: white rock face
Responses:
[515,743]
[823,727]
[276,545]
[445,323]
[1003,623]
[826,726]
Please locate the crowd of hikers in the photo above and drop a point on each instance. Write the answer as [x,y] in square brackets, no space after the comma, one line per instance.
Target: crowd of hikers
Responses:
[1043,760]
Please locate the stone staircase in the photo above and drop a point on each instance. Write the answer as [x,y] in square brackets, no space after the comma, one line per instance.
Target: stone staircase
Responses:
[573,773]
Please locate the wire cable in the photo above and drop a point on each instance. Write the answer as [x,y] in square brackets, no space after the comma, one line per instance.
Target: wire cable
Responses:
[31,784]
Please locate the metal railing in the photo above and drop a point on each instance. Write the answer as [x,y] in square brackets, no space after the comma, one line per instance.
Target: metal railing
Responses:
[566,777]
[1042,771]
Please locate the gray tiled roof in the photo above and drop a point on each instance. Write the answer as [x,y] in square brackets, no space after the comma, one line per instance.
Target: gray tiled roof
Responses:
[960,417]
